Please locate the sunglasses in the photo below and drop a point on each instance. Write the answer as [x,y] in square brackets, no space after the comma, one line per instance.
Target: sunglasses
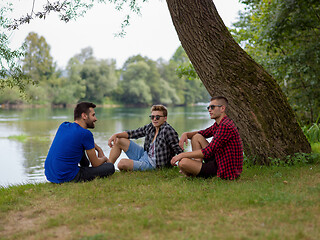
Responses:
[157,117]
[213,106]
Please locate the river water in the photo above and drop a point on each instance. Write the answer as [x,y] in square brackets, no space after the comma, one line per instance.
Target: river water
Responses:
[26,135]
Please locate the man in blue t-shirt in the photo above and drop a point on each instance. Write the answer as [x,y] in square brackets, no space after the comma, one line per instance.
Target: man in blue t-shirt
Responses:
[71,146]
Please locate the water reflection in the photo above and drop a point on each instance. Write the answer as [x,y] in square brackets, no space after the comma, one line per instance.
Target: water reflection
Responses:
[22,158]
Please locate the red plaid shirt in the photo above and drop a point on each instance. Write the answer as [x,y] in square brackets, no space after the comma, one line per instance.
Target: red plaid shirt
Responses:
[225,147]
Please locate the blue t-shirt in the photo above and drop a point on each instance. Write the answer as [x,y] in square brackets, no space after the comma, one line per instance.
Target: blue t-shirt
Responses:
[66,151]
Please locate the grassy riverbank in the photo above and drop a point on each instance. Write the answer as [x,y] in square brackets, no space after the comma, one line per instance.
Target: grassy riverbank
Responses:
[266,203]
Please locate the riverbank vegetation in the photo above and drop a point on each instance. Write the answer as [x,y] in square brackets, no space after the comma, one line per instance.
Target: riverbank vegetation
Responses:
[275,202]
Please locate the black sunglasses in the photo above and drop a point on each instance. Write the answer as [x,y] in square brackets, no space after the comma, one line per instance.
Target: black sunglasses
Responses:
[213,106]
[157,117]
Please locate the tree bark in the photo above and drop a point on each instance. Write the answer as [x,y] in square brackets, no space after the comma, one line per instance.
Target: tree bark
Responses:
[257,105]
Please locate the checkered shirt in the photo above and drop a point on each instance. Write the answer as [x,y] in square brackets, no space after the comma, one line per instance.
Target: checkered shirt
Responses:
[225,147]
[166,143]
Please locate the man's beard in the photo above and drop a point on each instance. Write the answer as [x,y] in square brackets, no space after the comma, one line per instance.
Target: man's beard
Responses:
[90,125]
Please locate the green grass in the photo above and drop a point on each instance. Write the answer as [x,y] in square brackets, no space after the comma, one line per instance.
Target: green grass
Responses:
[20,138]
[24,138]
[265,203]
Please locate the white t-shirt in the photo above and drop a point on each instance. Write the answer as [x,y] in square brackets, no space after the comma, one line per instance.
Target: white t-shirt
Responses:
[152,154]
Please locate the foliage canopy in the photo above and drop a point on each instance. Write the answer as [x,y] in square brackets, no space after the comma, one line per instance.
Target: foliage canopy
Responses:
[284,36]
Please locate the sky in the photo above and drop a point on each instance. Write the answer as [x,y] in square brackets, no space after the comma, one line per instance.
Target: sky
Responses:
[151,34]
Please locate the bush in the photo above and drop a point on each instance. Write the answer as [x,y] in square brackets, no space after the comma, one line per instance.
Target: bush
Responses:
[312,133]
[297,159]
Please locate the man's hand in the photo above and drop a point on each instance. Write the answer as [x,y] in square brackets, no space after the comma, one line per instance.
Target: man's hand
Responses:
[183,140]
[112,140]
[99,150]
[175,159]
[94,159]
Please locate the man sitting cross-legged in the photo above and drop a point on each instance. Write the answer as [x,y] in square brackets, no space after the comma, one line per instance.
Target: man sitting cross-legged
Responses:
[222,157]
[71,146]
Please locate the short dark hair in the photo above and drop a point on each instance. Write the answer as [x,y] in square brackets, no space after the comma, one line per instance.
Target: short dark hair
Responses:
[222,100]
[82,107]
[160,108]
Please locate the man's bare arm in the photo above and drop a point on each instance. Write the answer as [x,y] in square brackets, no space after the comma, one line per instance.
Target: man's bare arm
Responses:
[94,159]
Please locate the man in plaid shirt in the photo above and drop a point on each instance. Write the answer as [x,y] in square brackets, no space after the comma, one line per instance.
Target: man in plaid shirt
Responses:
[161,144]
[222,157]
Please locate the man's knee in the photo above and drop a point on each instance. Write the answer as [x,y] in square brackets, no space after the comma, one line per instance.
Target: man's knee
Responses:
[108,169]
[198,141]
[104,170]
[197,138]
[123,164]
[184,164]
[122,143]
[190,167]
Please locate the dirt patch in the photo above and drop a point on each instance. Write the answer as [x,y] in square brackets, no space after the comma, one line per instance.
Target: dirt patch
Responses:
[18,222]
[31,222]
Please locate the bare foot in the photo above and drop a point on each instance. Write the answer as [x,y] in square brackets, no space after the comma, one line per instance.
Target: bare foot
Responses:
[182,173]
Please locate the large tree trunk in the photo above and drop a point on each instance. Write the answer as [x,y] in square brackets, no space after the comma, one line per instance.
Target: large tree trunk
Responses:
[259,108]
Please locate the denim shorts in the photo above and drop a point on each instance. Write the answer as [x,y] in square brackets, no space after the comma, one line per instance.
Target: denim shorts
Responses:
[139,156]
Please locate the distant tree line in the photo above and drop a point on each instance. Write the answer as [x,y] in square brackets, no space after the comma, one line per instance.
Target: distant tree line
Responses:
[141,81]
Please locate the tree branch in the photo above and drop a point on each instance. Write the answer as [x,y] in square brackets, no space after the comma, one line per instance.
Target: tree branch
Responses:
[56,7]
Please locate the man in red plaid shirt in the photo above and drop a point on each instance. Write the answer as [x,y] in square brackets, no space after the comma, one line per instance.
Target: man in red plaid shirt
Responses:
[222,157]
